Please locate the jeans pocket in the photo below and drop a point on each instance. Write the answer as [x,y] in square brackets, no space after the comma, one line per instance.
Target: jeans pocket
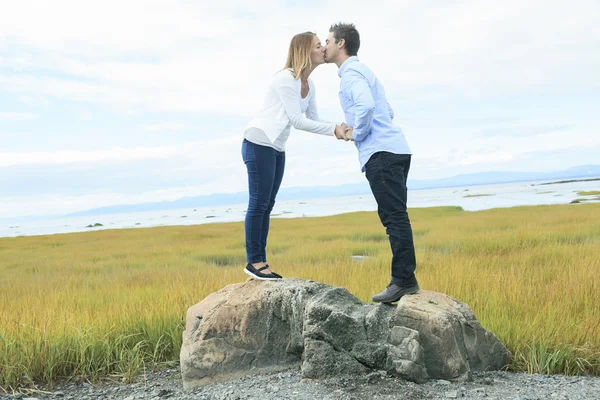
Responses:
[374,170]
[248,151]
[397,171]
[398,166]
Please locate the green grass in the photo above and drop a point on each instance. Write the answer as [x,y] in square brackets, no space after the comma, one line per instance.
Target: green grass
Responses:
[569,181]
[112,303]
[479,195]
[589,193]
[582,199]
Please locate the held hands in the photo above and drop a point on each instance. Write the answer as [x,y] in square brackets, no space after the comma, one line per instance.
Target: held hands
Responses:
[343,132]
[348,134]
[340,131]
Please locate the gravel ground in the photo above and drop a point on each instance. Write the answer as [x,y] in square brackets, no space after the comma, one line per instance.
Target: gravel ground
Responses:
[166,384]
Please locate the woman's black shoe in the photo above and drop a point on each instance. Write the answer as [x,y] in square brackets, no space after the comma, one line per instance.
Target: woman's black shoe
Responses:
[275,273]
[257,274]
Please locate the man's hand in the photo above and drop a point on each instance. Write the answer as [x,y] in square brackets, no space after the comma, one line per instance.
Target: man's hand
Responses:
[340,131]
[348,134]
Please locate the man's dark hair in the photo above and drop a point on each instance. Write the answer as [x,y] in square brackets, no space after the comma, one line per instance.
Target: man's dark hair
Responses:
[350,35]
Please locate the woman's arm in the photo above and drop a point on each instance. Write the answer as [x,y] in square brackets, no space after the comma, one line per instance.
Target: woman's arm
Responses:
[311,111]
[287,90]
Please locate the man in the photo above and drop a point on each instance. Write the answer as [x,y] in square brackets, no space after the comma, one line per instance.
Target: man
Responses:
[383,153]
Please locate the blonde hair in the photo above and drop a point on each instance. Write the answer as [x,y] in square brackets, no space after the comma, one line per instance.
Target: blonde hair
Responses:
[298,58]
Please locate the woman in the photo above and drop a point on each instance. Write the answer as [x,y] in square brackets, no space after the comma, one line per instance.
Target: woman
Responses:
[290,101]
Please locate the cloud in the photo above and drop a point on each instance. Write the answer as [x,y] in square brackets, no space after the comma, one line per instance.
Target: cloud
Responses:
[156,56]
[474,86]
[485,151]
[95,156]
[113,26]
[17,116]
[526,131]
[218,150]
[164,126]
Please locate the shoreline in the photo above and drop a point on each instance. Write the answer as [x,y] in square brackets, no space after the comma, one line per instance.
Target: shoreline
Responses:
[101,227]
[471,198]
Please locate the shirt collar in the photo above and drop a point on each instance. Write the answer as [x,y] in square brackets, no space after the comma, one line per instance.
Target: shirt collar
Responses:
[345,65]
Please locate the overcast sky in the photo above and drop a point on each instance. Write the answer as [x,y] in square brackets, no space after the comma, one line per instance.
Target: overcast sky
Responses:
[113,102]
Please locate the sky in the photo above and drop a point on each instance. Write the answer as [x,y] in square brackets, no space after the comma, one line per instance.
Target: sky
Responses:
[122,102]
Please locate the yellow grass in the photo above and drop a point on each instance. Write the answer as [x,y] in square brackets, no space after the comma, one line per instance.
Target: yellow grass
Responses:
[111,303]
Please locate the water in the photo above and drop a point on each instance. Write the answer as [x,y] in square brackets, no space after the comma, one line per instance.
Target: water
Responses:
[497,196]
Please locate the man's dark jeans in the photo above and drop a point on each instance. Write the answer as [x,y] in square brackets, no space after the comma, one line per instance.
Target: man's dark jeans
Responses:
[265,167]
[387,174]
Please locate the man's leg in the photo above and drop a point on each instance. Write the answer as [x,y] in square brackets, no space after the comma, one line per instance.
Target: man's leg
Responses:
[387,173]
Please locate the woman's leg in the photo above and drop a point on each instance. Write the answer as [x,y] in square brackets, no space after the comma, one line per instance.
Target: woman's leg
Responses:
[277,178]
[260,162]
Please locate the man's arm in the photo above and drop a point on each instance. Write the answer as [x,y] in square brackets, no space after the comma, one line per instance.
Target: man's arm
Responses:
[364,105]
[390,110]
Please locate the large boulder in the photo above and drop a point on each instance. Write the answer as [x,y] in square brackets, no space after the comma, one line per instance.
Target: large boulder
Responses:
[270,325]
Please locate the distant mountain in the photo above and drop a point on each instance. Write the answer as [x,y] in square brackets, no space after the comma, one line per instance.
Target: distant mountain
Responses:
[483,178]
[493,177]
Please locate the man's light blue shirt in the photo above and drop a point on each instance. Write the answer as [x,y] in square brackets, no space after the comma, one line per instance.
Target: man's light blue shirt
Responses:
[367,111]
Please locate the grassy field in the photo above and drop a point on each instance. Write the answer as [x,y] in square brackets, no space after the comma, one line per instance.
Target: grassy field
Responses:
[111,303]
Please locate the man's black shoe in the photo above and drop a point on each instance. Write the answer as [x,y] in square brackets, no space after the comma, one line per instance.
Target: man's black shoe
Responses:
[393,293]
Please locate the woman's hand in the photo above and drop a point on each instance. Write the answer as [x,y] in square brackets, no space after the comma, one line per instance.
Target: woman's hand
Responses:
[340,131]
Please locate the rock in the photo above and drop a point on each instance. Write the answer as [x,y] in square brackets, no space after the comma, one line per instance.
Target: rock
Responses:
[274,325]
[454,343]
[374,377]
[325,361]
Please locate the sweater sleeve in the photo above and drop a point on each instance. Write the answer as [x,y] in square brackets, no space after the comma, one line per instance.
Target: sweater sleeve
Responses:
[311,111]
[286,88]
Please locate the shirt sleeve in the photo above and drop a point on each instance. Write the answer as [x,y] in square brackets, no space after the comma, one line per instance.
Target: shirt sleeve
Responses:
[287,90]
[364,105]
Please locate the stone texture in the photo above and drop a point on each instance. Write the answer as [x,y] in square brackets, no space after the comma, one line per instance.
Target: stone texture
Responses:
[271,325]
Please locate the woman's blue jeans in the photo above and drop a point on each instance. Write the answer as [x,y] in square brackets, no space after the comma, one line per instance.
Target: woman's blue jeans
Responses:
[265,167]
